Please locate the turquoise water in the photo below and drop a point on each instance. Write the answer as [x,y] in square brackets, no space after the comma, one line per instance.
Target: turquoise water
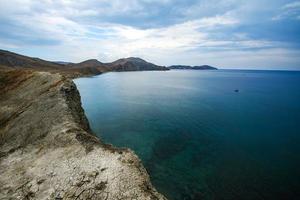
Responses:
[197,137]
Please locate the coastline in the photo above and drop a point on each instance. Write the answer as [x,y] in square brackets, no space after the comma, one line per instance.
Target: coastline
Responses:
[47,149]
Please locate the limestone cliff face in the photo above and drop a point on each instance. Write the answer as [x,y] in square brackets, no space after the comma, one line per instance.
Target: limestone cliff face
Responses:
[47,150]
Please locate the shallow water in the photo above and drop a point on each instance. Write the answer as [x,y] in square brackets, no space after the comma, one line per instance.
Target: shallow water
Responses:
[197,137]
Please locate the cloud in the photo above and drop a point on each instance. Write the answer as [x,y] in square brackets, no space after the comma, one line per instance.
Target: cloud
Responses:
[166,32]
[289,11]
[292,5]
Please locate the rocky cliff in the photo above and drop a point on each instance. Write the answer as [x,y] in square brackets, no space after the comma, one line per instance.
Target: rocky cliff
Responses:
[47,150]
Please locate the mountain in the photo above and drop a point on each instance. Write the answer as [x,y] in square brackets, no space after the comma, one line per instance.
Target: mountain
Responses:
[133,64]
[88,67]
[87,63]
[17,61]
[202,67]
[10,60]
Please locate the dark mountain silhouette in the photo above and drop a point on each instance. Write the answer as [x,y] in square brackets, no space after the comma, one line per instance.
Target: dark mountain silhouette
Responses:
[201,67]
[87,63]
[91,66]
[133,64]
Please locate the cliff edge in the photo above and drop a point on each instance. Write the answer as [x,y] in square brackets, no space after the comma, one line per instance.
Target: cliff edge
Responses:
[47,150]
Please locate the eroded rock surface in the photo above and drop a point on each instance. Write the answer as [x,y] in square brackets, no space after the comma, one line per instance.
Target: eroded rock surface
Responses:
[47,150]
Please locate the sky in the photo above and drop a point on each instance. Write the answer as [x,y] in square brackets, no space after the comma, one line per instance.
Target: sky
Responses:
[243,34]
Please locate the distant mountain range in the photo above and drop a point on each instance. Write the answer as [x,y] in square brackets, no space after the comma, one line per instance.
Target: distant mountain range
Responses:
[201,67]
[9,60]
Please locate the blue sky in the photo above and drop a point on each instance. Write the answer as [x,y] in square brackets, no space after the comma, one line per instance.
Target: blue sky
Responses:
[250,34]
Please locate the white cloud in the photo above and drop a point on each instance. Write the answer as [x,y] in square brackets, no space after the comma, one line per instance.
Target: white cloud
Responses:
[115,39]
[290,10]
[292,5]
[192,41]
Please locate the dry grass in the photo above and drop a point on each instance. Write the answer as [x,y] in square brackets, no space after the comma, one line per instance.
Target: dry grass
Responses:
[10,80]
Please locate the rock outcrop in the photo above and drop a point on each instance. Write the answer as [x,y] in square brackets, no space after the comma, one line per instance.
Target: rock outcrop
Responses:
[47,150]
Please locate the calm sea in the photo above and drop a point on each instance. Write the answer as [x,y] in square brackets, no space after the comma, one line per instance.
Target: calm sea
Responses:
[226,134]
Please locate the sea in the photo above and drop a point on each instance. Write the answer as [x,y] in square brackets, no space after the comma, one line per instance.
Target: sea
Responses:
[204,134]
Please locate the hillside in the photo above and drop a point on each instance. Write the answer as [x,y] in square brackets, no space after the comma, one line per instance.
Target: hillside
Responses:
[88,67]
[133,64]
[17,61]
[10,60]
[87,63]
